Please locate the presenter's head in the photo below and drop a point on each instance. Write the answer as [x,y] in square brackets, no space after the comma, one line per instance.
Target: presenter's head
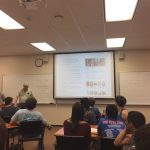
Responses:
[31,103]
[25,86]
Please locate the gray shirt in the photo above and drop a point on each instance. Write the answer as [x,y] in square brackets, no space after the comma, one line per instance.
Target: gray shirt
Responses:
[25,114]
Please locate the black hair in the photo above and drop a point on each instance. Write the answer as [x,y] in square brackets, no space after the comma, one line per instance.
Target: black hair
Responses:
[136,118]
[31,103]
[8,100]
[142,137]
[121,101]
[85,102]
[111,111]
[92,102]
[77,115]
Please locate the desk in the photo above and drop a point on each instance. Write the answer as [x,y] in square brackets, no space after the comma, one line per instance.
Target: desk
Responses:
[2,106]
[94,134]
[94,137]
[9,128]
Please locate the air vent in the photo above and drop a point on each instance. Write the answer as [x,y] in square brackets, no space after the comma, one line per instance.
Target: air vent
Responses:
[32,4]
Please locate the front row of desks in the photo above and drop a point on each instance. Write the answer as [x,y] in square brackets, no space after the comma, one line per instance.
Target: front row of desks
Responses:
[94,136]
[60,132]
[94,133]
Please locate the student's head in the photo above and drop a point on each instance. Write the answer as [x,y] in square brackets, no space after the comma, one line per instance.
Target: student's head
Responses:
[85,102]
[31,103]
[135,119]
[120,101]
[8,100]
[142,138]
[92,102]
[77,112]
[111,111]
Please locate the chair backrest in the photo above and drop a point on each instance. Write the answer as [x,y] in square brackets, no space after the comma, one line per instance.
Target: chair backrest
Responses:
[29,129]
[71,143]
[108,144]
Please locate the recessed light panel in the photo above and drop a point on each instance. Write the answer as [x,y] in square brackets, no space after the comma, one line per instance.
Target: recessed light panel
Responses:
[43,46]
[119,10]
[115,42]
[8,23]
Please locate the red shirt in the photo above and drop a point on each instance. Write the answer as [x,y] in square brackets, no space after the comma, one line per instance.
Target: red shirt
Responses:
[84,129]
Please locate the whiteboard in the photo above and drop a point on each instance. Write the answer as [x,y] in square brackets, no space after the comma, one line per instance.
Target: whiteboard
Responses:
[40,85]
[135,86]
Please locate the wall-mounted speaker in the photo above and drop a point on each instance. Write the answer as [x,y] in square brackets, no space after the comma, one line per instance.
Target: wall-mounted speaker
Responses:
[121,55]
[45,59]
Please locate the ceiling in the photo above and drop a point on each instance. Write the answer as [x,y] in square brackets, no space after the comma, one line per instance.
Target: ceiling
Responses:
[82,27]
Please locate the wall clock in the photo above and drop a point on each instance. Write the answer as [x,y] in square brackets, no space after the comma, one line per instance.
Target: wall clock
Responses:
[38,62]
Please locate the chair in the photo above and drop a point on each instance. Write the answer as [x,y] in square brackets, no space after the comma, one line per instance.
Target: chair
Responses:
[71,143]
[31,131]
[108,144]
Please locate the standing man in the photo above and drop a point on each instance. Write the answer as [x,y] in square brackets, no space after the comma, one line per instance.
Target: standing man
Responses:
[23,95]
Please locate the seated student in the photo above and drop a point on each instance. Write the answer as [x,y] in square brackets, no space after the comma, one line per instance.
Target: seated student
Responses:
[89,115]
[135,120]
[29,113]
[122,111]
[94,109]
[110,126]
[76,126]
[142,138]
[9,110]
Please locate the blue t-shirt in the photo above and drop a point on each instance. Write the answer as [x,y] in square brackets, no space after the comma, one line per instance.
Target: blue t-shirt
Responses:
[110,128]
[95,110]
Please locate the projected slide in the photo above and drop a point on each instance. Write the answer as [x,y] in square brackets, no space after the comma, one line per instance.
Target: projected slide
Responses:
[80,75]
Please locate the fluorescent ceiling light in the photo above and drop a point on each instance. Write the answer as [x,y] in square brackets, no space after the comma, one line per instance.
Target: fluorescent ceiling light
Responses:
[43,46]
[8,23]
[115,42]
[119,10]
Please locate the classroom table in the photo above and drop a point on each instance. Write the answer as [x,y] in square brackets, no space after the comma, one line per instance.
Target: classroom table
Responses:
[9,129]
[94,133]
[2,106]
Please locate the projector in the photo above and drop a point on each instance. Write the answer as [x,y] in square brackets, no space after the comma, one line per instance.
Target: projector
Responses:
[31,4]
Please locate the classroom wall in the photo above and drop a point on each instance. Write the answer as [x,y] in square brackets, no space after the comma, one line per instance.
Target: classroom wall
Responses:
[135,60]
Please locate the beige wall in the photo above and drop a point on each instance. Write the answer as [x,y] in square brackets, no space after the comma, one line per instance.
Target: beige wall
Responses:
[56,113]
